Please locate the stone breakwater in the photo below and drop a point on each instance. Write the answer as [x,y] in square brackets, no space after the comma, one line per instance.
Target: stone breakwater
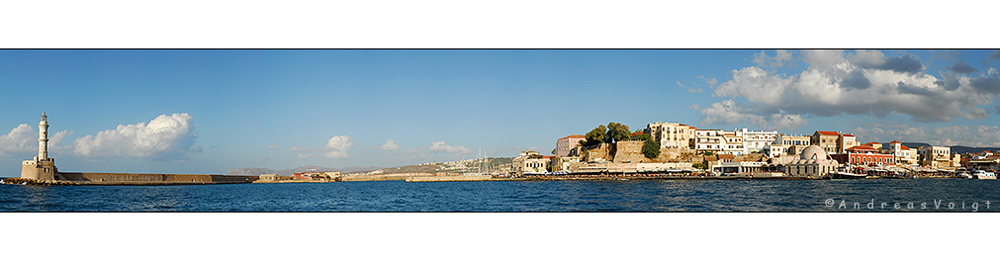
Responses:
[86,178]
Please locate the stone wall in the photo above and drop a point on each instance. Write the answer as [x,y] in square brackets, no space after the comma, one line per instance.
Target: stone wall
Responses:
[629,151]
[129,178]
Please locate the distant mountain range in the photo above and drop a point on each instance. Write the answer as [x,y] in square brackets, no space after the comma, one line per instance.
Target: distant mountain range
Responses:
[954,149]
[288,172]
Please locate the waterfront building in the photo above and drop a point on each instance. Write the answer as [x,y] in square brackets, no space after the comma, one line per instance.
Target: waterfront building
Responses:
[956,160]
[740,167]
[935,156]
[845,141]
[718,159]
[269,178]
[734,143]
[41,167]
[988,163]
[672,135]
[565,163]
[813,162]
[530,162]
[754,141]
[826,140]
[565,144]
[874,145]
[790,144]
[902,154]
[718,141]
[864,156]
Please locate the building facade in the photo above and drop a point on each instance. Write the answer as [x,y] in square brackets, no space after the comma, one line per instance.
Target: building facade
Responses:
[845,141]
[934,156]
[672,135]
[565,144]
[826,140]
[813,162]
[530,162]
[902,154]
[754,141]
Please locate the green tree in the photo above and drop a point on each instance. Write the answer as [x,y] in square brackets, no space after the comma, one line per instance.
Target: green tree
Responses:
[617,132]
[651,149]
[699,165]
[596,136]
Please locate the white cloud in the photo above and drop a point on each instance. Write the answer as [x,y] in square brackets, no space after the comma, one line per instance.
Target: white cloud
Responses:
[390,145]
[731,112]
[337,147]
[875,86]
[778,60]
[21,140]
[890,133]
[440,146]
[273,146]
[306,156]
[297,149]
[694,107]
[167,137]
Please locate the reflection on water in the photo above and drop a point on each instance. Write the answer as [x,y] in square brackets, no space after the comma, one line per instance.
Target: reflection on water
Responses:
[512,196]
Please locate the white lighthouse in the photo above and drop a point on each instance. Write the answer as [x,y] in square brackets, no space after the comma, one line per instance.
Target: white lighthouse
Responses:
[42,167]
[43,138]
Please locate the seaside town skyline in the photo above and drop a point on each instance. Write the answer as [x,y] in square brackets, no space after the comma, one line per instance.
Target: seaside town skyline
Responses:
[210,111]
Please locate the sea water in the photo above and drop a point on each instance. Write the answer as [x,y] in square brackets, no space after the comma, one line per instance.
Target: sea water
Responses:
[869,195]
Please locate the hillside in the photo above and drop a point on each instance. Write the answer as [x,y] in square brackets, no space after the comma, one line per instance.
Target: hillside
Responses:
[288,172]
[954,149]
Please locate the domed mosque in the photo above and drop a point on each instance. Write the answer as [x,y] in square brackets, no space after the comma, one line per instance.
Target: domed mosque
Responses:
[813,161]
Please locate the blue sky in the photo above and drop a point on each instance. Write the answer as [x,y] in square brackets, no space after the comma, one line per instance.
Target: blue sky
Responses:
[207,111]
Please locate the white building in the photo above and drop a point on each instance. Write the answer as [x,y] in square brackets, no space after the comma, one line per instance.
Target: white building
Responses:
[672,135]
[754,141]
[902,154]
[530,162]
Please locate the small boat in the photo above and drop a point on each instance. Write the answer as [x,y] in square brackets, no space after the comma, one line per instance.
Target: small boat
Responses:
[964,175]
[846,175]
[980,174]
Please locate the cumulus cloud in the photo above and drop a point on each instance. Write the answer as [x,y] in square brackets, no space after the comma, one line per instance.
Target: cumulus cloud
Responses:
[995,55]
[974,136]
[440,146]
[694,107]
[890,133]
[167,137]
[731,112]
[337,147]
[860,83]
[390,145]
[777,61]
[273,146]
[961,67]
[21,140]
[306,156]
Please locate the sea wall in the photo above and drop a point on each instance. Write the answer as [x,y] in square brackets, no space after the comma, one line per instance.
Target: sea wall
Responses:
[153,179]
[450,178]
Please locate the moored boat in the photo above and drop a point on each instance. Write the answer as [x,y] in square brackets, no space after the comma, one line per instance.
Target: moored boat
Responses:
[980,174]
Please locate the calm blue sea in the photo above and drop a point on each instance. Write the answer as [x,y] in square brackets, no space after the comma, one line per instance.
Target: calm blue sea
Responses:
[880,195]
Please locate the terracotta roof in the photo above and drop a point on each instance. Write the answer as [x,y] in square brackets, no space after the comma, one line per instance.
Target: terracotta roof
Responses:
[848,135]
[862,147]
[726,156]
[894,142]
[903,147]
[573,136]
[548,157]
[827,132]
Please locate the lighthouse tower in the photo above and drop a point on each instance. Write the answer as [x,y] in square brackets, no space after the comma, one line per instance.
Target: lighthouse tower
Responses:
[42,167]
